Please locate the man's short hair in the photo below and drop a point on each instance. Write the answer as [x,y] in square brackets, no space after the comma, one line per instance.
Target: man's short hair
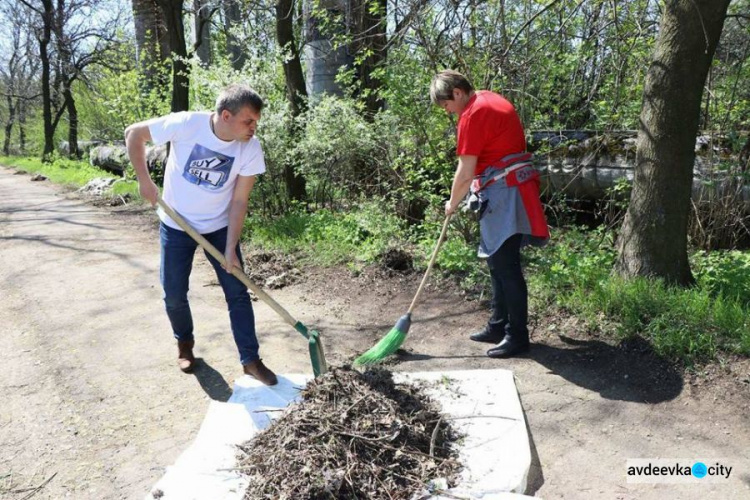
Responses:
[235,97]
[441,88]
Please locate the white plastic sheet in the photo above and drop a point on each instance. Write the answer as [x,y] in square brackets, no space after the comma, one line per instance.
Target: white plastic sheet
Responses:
[482,404]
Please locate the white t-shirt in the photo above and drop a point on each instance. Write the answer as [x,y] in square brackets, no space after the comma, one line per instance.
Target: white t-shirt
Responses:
[201,170]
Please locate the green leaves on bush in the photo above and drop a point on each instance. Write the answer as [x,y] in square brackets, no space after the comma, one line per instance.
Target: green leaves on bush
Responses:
[724,274]
[325,237]
[689,325]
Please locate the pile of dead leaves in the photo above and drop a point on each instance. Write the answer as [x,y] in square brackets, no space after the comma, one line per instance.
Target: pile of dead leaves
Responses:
[352,436]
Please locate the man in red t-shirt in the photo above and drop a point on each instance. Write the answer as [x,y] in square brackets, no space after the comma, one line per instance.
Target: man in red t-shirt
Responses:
[494,165]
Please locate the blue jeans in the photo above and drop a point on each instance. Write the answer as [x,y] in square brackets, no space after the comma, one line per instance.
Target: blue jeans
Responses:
[177,251]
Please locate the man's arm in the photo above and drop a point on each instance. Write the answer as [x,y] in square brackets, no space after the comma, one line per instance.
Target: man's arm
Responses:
[136,137]
[461,182]
[237,211]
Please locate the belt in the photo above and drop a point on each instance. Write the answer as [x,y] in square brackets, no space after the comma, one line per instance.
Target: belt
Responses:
[477,184]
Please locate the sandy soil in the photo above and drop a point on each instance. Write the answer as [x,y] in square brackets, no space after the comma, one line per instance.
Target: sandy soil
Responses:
[93,405]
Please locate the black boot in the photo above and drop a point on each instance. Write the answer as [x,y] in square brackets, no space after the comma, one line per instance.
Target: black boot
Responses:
[514,343]
[493,332]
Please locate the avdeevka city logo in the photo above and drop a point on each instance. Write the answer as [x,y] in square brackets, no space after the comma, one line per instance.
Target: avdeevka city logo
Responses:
[207,168]
[668,470]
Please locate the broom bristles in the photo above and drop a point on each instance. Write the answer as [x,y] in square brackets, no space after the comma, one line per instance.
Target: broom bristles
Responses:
[387,345]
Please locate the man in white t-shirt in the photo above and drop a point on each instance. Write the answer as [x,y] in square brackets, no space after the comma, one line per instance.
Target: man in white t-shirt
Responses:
[213,162]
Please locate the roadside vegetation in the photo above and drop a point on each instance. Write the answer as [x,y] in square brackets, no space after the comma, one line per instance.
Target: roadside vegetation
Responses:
[71,173]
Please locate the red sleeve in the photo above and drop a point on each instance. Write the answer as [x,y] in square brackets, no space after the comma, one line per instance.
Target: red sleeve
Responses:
[471,134]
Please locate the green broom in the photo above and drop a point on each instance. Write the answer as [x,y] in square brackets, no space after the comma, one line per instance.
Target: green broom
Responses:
[393,340]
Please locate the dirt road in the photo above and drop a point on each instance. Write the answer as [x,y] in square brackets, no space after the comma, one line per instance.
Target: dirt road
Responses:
[93,405]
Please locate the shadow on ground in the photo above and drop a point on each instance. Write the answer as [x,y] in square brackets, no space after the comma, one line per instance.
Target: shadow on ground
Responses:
[629,371]
[211,381]
[535,479]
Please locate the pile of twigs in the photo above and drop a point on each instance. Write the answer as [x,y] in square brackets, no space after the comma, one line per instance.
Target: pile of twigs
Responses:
[352,436]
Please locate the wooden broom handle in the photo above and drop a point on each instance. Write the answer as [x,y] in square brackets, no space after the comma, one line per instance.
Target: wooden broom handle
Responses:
[236,272]
[429,266]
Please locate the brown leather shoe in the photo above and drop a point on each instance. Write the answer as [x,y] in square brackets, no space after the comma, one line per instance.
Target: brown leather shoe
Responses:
[185,358]
[259,371]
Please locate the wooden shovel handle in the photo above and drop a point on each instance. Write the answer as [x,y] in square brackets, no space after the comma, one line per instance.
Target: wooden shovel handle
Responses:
[236,272]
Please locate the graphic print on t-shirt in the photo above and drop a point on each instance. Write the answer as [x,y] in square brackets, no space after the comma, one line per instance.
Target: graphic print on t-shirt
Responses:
[207,168]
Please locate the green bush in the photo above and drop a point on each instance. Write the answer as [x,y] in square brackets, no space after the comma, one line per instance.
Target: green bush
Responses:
[326,237]
[724,273]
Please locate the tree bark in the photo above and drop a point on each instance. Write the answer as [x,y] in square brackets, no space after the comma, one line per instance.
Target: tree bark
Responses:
[295,88]
[9,124]
[202,28]
[66,75]
[172,10]
[21,107]
[293,76]
[653,238]
[70,104]
[237,56]
[44,38]
[151,42]
[369,33]
[323,60]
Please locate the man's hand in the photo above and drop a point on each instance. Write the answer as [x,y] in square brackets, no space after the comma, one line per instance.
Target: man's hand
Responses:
[230,257]
[149,190]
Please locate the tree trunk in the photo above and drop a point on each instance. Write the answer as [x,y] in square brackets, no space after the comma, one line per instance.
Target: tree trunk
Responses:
[323,61]
[232,19]
[295,88]
[172,10]
[44,39]
[65,77]
[151,42]
[202,28]
[295,80]
[369,32]
[70,104]
[21,108]
[9,123]
[653,238]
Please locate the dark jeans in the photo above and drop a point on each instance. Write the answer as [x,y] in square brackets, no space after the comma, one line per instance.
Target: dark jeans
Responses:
[177,251]
[510,298]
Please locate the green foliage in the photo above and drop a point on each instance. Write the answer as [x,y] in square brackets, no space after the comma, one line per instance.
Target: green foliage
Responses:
[576,65]
[455,254]
[117,96]
[575,261]
[59,170]
[689,325]
[724,274]
[338,144]
[325,237]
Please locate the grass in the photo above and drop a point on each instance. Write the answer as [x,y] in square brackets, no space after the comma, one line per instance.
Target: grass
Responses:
[326,238]
[687,325]
[68,172]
